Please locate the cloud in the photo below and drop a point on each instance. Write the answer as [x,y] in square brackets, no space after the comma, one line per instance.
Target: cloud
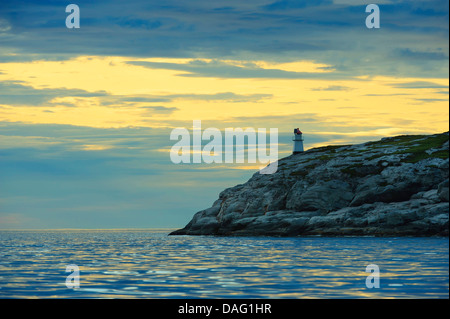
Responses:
[411,41]
[83,177]
[419,85]
[387,94]
[223,96]
[422,55]
[333,88]
[4,26]
[431,100]
[17,93]
[293,4]
[16,220]
[136,98]
[152,110]
[136,23]
[223,69]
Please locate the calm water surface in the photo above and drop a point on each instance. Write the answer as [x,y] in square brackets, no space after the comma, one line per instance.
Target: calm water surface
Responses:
[150,264]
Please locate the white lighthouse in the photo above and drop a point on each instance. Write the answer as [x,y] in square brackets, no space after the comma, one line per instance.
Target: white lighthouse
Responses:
[298,141]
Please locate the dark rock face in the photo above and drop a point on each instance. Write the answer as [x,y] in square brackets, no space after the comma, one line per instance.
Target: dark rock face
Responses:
[398,186]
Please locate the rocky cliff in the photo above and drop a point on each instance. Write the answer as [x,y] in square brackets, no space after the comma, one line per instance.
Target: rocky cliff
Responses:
[397,186]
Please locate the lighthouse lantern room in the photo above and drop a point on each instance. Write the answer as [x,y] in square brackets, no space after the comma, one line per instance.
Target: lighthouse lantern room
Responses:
[298,141]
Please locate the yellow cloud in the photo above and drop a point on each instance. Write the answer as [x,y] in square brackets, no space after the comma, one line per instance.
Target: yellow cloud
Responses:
[93,147]
[367,101]
[297,66]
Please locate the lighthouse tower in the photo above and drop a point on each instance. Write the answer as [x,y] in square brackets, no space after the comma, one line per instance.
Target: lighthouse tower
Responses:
[298,141]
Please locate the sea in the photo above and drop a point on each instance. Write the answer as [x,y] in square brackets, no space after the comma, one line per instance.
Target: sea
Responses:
[148,263]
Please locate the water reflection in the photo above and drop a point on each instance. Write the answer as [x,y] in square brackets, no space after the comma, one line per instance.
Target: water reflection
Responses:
[150,264]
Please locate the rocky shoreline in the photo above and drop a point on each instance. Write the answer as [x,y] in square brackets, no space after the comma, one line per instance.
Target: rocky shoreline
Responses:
[398,186]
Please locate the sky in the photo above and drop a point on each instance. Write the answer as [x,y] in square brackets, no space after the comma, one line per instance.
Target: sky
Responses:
[86,114]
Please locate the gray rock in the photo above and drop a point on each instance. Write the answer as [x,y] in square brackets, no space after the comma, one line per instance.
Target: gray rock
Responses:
[431,195]
[442,191]
[382,188]
[322,196]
